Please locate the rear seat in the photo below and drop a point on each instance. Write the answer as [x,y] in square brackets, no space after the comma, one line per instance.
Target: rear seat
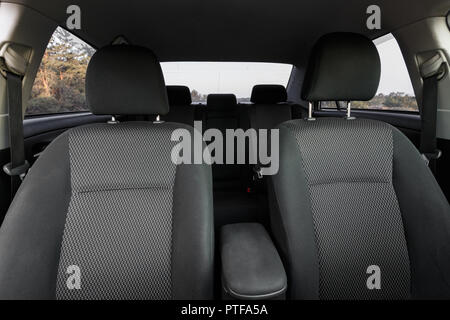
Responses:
[181,109]
[270,107]
[222,112]
[233,201]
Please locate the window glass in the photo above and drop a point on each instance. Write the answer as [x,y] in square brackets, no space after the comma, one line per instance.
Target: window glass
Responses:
[204,78]
[59,84]
[328,105]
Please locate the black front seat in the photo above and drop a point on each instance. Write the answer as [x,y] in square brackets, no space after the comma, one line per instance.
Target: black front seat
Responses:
[355,210]
[105,213]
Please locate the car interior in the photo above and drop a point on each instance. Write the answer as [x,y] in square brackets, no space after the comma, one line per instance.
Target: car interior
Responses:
[98,203]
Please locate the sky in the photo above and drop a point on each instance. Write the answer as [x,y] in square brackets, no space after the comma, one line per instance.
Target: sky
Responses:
[240,77]
[394,73]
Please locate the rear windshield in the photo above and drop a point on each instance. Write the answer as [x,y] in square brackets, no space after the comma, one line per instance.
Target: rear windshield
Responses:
[204,78]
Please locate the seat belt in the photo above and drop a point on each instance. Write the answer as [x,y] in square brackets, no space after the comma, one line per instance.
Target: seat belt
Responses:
[428,139]
[18,166]
[14,60]
[432,71]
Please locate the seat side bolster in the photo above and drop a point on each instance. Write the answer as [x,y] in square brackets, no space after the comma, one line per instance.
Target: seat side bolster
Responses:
[293,224]
[193,232]
[426,218]
[31,235]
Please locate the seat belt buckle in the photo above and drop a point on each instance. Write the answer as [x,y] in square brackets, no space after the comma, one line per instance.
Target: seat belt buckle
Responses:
[20,171]
[427,157]
[426,160]
[258,173]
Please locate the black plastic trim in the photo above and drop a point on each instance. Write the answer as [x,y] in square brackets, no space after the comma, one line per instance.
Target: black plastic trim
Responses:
[43,124]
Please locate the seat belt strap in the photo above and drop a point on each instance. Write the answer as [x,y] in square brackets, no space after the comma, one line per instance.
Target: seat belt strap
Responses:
[18,166]
[432,71]
[428,141]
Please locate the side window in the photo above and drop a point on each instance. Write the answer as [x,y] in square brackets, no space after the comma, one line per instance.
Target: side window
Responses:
[395,92]
[59,83]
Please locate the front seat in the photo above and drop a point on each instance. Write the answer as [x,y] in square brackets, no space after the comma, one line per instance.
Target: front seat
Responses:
[105,213]
[356,212]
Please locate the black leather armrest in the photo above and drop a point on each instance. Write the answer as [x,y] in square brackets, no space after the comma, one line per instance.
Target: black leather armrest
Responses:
[251,266]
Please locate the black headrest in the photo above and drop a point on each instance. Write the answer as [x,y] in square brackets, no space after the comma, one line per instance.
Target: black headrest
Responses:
[179,95]
[342,67]
[125,80]
[221,101]
[268,94]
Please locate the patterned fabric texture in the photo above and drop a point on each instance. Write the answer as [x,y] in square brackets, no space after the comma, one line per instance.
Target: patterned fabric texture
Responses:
[349,168]
[119,225]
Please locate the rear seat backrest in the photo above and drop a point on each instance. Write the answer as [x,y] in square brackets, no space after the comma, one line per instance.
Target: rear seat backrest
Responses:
[181,109]
[223,112]
[270,107]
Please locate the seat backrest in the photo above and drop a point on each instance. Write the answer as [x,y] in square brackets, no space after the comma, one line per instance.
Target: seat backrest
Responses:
[222,113]
[181,108]
[355,210]
[269,109]
[269,106]
[105,213]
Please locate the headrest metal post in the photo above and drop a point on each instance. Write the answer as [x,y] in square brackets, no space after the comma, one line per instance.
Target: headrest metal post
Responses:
[113,120]
[349,111]
[158,120]
[310,112]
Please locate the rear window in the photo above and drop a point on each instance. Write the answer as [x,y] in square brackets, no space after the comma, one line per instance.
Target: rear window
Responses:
[59,83]
[204,78]
[395,92]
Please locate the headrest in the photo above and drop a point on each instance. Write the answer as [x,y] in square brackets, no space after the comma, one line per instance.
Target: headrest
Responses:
[221,101]
[342,67]
[268,94]
[125,80]
[179,95]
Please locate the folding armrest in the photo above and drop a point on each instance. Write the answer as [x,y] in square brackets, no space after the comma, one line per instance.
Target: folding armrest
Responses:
[251,266]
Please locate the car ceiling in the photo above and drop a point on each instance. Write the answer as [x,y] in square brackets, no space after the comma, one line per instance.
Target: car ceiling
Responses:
[232,30]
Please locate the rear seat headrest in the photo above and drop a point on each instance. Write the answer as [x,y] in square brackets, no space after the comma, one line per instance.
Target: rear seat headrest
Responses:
[179,95]
[268,94]
[125,80]
[221,101]
[342,67]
